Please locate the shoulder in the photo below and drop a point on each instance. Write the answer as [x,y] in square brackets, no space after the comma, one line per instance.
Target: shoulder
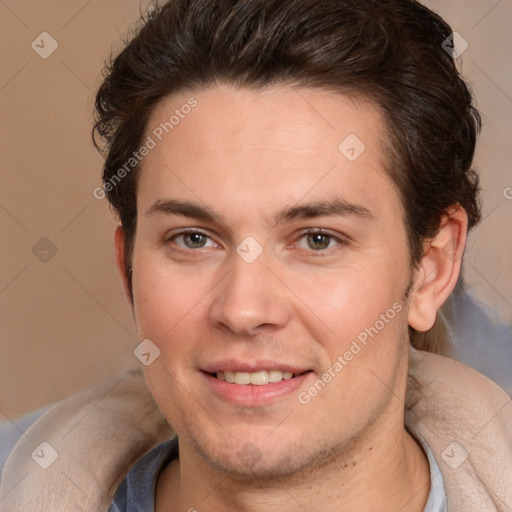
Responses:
[467,421]
[94,437]
[137,491]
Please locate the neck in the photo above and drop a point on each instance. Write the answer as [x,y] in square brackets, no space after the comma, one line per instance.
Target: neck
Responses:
[383,472]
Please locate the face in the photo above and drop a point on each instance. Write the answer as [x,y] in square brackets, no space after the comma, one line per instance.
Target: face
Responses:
[264,248]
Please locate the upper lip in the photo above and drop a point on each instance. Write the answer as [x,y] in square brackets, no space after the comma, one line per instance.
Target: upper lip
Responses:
[233,365]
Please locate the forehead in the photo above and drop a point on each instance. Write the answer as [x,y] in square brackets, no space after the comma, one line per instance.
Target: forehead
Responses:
[236,146]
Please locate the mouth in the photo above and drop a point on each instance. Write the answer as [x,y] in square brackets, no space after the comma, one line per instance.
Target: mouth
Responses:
[252,387]
[257,378]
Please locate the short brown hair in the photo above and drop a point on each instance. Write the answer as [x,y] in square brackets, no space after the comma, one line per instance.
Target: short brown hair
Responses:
[389,52]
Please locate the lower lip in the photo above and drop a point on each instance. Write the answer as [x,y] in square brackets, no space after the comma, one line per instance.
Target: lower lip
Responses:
[251,395]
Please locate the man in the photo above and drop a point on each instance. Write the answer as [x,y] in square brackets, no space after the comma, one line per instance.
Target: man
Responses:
[294,185]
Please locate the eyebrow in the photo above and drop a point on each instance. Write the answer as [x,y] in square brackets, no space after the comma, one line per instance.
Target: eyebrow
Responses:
[184,208]
[337,206]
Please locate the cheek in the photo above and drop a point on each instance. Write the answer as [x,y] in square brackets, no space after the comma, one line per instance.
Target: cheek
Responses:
[364,321]
[169,313]
[165,299]
[351,300]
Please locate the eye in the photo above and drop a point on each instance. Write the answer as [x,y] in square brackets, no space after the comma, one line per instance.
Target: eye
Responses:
[192,240]
[318,241]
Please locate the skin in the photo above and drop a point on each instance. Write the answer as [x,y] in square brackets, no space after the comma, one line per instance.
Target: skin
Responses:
[248,155]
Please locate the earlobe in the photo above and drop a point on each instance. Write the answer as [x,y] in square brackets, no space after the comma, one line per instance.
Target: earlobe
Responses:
[439,270]
[119,248]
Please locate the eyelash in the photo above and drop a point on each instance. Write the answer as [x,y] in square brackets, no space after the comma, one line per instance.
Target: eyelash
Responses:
[187,232]
[311,231]
[317,231]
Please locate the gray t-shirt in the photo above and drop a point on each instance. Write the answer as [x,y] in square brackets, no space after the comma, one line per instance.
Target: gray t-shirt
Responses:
[137,491]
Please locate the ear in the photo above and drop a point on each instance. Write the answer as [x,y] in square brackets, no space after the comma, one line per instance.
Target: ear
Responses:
[439,269]
[119,248]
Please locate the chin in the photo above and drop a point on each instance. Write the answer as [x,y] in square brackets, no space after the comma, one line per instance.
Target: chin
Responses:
[262,460]
[249,463]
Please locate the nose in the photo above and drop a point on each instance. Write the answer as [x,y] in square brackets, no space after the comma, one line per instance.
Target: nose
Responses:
[250,299]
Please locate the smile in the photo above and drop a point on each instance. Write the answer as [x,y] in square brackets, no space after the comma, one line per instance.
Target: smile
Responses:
[259,378]
[256,388]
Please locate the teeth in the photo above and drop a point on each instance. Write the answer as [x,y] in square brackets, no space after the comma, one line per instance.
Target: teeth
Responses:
[256,378]
[259,378]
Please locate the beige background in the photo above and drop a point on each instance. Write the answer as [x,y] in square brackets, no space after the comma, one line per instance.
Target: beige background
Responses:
[63,323]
